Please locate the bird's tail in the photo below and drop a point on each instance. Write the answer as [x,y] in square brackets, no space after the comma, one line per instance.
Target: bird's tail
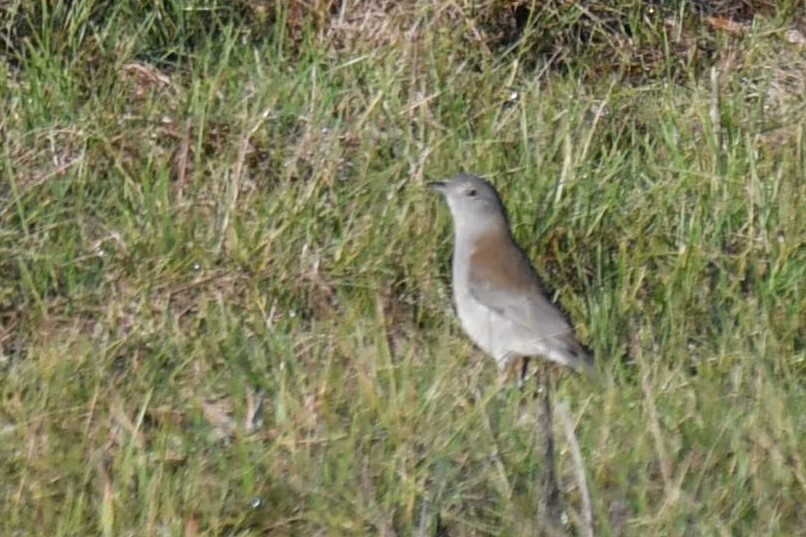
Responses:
[568,351]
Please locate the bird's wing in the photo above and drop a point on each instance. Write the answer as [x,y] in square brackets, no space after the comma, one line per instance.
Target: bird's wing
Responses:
[507,284]
[513,290]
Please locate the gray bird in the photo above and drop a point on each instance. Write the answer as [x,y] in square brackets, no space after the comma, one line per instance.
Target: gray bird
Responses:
[498,295]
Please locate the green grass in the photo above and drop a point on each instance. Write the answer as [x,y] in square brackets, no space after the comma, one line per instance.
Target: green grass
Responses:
[195,218]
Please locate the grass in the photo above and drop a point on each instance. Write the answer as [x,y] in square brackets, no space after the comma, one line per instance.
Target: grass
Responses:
[224,291]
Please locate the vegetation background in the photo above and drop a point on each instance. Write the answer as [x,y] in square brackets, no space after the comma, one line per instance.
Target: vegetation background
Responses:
[224,291]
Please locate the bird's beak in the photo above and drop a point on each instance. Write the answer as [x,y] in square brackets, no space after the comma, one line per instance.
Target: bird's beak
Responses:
[437,186]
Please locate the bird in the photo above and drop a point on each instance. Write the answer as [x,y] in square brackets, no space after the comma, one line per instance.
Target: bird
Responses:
[499,297]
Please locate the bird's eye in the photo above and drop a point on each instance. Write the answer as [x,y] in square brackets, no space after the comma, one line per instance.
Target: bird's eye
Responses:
[471,193]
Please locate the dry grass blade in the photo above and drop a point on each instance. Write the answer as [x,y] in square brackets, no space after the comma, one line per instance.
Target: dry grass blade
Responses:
[579,468]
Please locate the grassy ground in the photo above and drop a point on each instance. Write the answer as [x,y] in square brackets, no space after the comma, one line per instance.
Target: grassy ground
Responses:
[224,291]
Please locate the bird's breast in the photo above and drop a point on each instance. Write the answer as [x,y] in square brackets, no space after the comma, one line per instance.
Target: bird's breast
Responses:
[485,327]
